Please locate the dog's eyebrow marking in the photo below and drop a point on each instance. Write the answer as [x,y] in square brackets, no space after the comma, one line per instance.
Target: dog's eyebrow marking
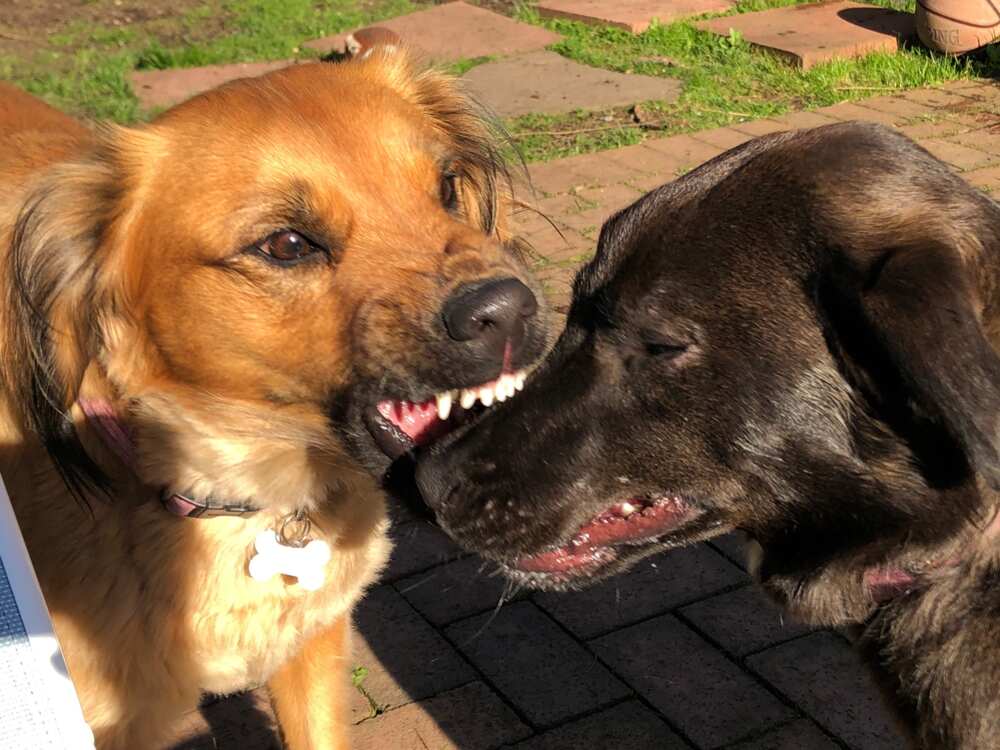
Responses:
[291,207]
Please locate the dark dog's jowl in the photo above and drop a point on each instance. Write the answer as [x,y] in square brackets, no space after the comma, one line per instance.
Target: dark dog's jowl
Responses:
[795,340]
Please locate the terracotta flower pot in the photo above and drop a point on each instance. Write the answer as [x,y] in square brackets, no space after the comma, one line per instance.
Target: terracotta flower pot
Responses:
[955,26]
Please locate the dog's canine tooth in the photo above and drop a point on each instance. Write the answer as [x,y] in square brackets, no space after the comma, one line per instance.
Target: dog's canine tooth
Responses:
[519,379]
[627,509]
[443,405]
[468,398]
[486,396]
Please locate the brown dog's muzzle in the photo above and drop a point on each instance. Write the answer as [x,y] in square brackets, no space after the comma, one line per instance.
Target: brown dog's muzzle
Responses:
[490,318]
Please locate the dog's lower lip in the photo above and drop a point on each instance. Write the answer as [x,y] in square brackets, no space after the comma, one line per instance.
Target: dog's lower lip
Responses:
[635,521]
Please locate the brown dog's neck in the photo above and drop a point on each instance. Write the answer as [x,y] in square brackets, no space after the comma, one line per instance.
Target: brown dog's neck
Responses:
[110,427]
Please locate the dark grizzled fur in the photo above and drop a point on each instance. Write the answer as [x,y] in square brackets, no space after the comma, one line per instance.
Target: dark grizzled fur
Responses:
[799,338]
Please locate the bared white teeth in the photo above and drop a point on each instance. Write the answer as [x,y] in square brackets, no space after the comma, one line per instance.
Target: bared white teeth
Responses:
[486,395]
[501,389]
[627,509]
[444,401]
[469,397]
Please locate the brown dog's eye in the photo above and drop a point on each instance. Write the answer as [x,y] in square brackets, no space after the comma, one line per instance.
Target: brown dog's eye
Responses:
[449,192]
[286,246]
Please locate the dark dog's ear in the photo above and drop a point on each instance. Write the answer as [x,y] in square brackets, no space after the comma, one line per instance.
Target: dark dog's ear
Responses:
[918,304]
[58,284]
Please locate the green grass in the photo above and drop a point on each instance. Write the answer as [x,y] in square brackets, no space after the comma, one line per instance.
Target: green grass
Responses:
[90,77]
[461,67]
[85,68]
[724,80]
[543,137]
[358,675]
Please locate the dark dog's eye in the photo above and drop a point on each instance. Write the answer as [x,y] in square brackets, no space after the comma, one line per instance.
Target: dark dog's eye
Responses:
[660,349]
[449,192]
[286,247]
[658,344]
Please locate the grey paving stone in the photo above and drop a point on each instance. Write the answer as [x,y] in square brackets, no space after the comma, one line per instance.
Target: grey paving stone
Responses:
[447,593]
[548,83]
[799,735]
[742,621]
[628,725]
[462,719]
[417,546]
[655,586]
[701,692]
[825,677]
[634,15]
[406,658]
[547,675]
[455,31]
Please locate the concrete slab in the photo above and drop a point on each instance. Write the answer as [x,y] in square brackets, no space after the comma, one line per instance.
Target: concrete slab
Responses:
[162,88]
[635,16]
[819,32]
[455,31]
[547,83]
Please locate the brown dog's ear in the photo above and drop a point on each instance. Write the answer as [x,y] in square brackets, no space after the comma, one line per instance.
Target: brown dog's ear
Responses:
[919,305]
[60,289]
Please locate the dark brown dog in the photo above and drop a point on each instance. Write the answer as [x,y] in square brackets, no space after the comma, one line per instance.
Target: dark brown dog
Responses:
[797,340]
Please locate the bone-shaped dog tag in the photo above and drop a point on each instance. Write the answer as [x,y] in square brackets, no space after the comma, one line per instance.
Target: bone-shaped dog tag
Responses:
[305,563]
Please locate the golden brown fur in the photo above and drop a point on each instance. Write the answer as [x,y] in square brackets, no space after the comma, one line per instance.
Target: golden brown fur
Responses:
[131,274]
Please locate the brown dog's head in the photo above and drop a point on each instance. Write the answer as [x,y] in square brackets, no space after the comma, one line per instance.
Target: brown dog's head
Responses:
[276,280]
[791,340]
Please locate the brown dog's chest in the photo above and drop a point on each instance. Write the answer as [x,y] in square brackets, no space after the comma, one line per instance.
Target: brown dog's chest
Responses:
[166,606]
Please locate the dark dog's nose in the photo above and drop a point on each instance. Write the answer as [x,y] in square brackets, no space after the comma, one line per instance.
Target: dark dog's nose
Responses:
[493,313]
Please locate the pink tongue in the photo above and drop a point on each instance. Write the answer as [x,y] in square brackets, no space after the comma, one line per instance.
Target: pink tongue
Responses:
[418,421]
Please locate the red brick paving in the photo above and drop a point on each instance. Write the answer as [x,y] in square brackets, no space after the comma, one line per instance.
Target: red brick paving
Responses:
[634,15]
[698,689]
[442,723]
[819,32]
[821,674]
[546,674]
[687,655]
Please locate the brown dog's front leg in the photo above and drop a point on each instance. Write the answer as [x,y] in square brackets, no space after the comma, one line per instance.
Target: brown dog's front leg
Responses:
[310,693]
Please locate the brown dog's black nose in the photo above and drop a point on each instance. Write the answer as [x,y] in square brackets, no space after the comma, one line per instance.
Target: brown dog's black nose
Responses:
[493,313]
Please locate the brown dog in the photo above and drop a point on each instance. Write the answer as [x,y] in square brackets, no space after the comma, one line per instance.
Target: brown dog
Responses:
[797,339]
[230,314]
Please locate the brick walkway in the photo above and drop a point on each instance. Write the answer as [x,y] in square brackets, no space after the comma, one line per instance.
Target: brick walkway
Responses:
[683,652]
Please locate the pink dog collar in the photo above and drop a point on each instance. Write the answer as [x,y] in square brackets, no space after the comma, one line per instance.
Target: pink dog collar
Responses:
[117,436]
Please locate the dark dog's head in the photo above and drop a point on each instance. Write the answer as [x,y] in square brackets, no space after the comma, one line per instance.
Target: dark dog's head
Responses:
[789,340]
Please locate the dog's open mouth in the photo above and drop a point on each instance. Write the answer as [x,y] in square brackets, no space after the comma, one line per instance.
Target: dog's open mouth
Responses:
[399,426]
[603,539]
